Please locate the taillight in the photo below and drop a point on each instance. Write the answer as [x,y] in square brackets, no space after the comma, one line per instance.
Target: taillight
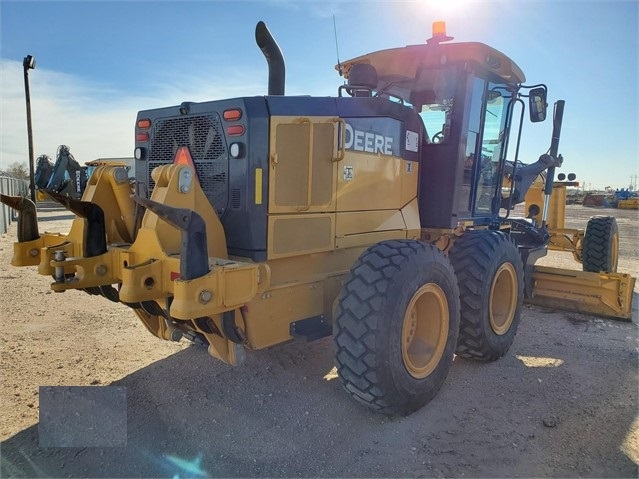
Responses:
[143,136]
[235,130]
[144,123]
[233,114]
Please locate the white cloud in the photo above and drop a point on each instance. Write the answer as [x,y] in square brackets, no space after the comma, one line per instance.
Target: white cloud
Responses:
[93,119]
[325,9]
[64,110]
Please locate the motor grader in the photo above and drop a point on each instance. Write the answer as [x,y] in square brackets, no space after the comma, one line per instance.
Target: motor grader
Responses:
[382,216]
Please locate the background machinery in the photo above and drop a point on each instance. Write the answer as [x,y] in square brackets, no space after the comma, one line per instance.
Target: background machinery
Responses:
[66,176]
[626,199]
[381,216]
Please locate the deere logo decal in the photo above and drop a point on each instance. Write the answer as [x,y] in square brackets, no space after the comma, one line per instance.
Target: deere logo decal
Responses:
[373,135]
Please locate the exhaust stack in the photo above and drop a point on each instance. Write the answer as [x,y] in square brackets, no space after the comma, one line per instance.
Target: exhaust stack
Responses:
[274,58]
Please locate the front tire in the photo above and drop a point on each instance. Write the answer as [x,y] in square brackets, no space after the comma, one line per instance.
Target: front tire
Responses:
[600,247]
[490,275]
[396,326]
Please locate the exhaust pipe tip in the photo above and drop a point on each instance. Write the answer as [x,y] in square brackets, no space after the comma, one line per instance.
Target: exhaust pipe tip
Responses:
[274,58]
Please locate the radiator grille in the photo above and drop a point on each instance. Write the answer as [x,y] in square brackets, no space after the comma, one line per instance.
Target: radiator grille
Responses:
[203,136]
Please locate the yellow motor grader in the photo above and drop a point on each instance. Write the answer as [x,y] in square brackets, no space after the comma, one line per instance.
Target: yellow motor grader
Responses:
[381,216]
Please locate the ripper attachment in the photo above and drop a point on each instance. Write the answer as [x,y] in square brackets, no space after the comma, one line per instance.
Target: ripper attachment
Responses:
[27,220]
[194,253]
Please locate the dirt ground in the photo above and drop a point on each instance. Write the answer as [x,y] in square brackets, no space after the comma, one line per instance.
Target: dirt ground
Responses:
[562,402]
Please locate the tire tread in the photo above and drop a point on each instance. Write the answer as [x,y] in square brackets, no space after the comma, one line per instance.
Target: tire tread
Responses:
[471,256]
[597,243]
[356,327]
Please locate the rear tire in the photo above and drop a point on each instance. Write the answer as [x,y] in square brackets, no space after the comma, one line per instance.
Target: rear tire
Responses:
[490,275]
[396,326]
[600,247]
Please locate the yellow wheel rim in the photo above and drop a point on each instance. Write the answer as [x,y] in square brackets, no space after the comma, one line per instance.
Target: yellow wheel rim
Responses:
[425,330]
[503,299]
[614,253]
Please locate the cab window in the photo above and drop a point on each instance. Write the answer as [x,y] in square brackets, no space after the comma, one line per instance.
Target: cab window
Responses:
[491,148]
[436,103]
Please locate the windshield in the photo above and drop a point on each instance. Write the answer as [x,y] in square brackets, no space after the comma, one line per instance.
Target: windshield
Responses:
[494,117]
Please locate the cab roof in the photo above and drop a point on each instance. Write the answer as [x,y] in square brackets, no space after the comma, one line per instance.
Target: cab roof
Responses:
[399,70]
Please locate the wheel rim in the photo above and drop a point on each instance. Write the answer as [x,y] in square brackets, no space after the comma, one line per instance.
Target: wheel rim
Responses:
[425,330]
[503,299]
[614,253]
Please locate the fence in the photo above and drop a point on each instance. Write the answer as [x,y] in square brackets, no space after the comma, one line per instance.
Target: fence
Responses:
[13,187]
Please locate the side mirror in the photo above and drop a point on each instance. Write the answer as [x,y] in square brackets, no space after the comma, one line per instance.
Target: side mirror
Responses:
[492,96]
[537,104]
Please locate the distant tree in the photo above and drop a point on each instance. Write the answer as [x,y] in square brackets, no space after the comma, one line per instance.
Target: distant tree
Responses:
[17,170]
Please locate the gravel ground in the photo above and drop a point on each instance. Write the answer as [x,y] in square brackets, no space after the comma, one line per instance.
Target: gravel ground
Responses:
[562,402]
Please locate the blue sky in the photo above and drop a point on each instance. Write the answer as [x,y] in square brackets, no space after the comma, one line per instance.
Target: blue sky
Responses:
[98,63]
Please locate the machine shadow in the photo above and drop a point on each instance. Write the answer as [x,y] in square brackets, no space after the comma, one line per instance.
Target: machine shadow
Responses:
[285,414]
[192,416]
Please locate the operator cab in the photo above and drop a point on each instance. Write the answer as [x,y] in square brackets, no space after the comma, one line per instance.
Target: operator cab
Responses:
[464,94]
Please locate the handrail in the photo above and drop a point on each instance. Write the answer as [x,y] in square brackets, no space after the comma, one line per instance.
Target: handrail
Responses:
[309,181]
[341,134]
